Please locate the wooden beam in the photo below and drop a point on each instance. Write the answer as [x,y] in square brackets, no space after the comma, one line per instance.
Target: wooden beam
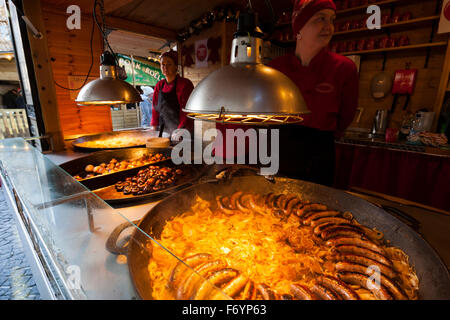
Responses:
[113,5]
[443,85]
[123,24]
[140,28]
[44,75]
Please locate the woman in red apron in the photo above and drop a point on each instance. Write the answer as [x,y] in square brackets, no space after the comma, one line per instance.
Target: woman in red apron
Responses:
[329,85]
[170,97]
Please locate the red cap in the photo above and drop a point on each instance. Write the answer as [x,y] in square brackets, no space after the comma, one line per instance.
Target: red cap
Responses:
[171,54]
[305,9]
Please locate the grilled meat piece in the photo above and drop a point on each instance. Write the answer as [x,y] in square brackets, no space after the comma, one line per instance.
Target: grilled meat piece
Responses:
[337,286]
[302,292]
[379,291]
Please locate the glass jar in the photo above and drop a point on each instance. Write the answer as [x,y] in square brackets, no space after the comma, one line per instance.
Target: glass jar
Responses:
[406,126]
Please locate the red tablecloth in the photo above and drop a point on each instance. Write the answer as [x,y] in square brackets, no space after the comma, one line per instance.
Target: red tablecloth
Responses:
[416,177]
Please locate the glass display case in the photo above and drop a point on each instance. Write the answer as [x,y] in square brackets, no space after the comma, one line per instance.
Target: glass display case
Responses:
[66,230]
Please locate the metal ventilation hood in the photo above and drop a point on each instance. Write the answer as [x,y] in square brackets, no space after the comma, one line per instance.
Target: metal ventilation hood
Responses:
[247,91]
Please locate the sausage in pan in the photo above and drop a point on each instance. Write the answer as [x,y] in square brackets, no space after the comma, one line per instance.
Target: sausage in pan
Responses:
[364,252]
[388,283]
[364,281]
[302,292]
[338,286]
[360,260]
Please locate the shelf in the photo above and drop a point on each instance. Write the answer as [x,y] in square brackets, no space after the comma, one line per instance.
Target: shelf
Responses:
[389,25]
[364,7]
[415,46]
[354,31]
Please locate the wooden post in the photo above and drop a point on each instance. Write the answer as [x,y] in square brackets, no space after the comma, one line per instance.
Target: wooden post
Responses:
[44,75]
[443,87]
[180,57]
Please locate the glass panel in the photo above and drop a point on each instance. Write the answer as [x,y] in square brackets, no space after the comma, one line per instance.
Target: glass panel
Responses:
[74,229]
[20,55]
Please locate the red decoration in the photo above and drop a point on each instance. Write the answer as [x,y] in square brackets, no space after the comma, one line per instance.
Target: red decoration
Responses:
[404,81]
[187,52]
[214,45]
[447,11]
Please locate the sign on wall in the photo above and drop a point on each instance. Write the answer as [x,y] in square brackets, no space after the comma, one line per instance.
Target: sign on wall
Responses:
[201,53]
[144,74]
[444,22]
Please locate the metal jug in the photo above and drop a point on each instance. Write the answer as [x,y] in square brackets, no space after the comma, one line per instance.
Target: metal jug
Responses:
[380,122]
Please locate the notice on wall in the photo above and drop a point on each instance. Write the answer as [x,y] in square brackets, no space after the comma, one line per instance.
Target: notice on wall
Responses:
[444,22]
[201,53]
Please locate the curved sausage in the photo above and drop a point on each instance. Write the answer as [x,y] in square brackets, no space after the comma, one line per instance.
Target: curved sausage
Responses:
[322,227]
[364,281]
[302,292]
[359,251]
[351,258]
[266,292]
[235,286]
[324,293]
[234,197]
[300,206]
[289,198]
[216,279]
[328,219]
[338,230]
[291,204]
[321,214]
[242,203]
[268,200]
[338,286]
[281,201]
[222,276]
[310,208]
[187,288]
[221,203]
[357,242]
[372,234]
[180,269]
[254,202]
[249,292]
[388,283]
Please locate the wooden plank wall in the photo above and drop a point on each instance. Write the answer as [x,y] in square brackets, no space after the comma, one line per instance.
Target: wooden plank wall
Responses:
[223,29]
[428,78]
[70,55]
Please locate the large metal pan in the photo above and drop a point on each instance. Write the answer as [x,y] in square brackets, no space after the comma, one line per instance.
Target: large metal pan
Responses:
[76,167]
[77,143]
[192,174]
[433,274]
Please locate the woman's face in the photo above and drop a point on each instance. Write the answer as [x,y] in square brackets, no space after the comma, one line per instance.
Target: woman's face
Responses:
[317,32]
[168,67]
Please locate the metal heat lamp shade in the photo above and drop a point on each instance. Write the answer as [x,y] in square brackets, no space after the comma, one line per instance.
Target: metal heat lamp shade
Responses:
[107,90]
[247,91]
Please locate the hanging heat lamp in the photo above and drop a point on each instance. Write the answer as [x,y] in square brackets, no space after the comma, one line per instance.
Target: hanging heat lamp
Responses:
[108,89]
[247,91]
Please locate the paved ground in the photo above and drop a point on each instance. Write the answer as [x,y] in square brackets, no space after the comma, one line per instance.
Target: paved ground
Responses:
[16,280]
